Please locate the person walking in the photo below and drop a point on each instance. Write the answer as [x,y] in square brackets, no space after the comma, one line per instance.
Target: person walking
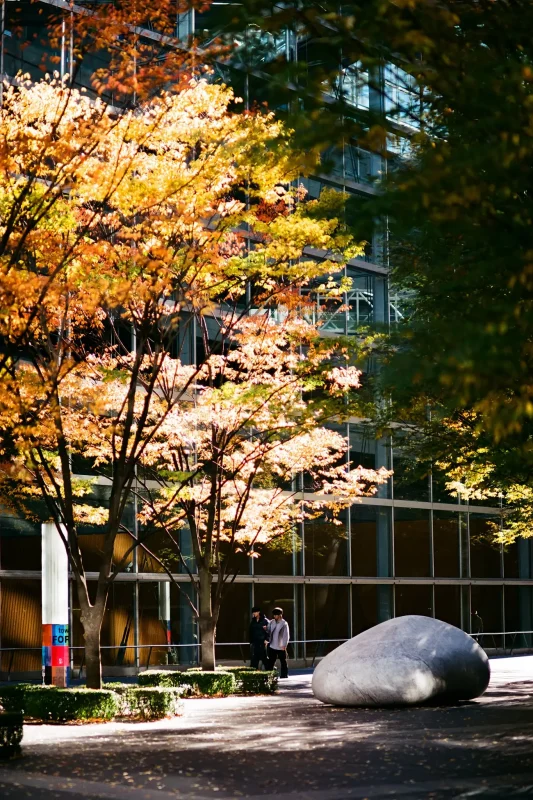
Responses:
[278,631]
[477,627]
[258,635]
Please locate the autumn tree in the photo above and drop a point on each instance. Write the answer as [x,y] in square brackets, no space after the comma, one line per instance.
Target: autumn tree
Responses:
[228,467]
[220,445]
[47,148]
[171,213]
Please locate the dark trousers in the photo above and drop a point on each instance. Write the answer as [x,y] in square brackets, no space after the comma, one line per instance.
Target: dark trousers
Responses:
[273,656]
[258,654]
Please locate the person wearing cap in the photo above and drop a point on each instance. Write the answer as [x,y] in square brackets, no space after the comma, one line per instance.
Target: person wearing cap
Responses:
[258,636]
[278,631]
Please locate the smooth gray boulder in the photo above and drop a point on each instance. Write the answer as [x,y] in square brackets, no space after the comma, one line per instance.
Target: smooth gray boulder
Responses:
[404,661]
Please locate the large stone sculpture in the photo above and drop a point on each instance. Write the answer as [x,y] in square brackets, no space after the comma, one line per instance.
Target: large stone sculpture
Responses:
[404,661]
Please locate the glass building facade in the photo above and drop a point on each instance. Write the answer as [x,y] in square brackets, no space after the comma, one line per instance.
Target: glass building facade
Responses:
[411,549]
[389,557]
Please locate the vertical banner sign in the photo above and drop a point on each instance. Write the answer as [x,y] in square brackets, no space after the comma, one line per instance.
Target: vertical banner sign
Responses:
[56,660]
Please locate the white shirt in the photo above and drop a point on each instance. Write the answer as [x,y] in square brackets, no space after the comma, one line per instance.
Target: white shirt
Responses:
[279,634]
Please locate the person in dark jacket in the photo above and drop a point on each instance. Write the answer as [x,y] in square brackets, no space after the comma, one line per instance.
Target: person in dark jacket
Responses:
[258,636]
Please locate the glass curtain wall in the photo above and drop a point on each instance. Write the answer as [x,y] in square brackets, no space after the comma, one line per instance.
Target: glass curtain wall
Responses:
[384,560]
[388,558]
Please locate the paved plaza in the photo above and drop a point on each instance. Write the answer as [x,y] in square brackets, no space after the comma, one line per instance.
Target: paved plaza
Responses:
[291,747]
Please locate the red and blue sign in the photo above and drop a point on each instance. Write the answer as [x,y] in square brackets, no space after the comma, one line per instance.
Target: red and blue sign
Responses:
[56,660]
[168,631]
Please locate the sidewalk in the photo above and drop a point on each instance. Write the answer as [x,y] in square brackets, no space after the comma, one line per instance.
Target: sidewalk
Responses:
[291,747]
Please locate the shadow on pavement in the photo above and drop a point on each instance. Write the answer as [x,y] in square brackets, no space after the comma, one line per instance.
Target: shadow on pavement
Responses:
[289,747]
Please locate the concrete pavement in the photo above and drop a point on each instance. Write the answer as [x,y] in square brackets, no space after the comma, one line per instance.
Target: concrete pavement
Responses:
[291,747]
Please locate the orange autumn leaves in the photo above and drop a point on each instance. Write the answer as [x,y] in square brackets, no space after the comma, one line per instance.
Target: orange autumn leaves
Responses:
[152,221]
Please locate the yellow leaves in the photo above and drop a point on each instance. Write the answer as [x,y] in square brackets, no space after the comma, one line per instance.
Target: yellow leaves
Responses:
[342,379]
[377,138]
[146,221]
[135,68]
[418,40]
[90,515]
[138,203]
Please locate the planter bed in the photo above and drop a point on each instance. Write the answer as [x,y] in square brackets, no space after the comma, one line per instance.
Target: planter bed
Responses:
[50,704]
[158,695]
[221,683]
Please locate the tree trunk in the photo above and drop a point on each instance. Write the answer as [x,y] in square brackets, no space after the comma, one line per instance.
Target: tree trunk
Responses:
[207,621]
[92,625]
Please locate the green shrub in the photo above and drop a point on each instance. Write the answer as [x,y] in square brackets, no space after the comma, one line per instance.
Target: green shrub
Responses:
[210,683]
[121,691]
[60,705]
[10,733]
[201,683]
[154,702]
[71,704]
[239,668]
[255,681]
[117,686]
[148,702]
[220,668]
[155,677]
[12,696]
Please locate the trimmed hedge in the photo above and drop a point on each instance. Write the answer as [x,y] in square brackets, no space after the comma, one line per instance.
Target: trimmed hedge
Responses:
[12,696]
[224,681]
[147,702]
[211,683]
[59,705]
[202,683]
[154,702]
[11,723]
[240,668]
[256,681]
[117,699]
[154,677]
[65,705]
[253,681]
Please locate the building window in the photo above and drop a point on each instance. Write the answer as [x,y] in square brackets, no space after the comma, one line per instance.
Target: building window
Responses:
[326,547]
[409,599]
[449,544]
[485,552]
[371,540]
[326,617]
[411,543]
[448,604]
[353,87]
[233,623]
[365,607]
[486,615]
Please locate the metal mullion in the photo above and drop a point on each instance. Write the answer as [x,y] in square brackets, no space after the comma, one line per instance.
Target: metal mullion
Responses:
[302,538]
[468,560]
[503,614]
[431,546]
[349,543]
